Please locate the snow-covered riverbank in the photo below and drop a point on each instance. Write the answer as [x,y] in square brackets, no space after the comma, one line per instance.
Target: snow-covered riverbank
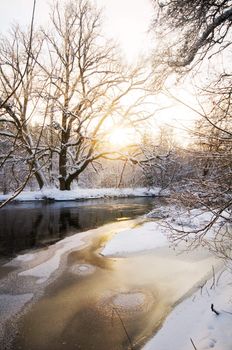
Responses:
[192,322]
[156,234]
[85,193]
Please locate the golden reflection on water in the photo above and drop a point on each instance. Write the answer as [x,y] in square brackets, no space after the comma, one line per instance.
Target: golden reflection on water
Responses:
[123,218]
[77,310]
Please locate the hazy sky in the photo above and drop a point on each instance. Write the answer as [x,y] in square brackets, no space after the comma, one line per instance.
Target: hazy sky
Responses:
[125,20]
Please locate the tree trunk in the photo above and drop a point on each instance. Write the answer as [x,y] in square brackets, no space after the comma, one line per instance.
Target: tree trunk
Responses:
[38,173]
[39,180]
[63,155]
[65,185]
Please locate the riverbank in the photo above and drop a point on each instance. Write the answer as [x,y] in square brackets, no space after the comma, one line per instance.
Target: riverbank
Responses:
[53,194]
[193,325]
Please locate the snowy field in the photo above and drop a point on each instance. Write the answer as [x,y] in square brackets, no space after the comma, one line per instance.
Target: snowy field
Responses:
[82,193]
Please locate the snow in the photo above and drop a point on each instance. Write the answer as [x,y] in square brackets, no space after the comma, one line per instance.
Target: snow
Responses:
[151,235]
[188,221]
[25,257]
[83,269]
[194,319]
[129,300]
[44,270]
[82,193]
[148,236]
[181,216]
[10,305]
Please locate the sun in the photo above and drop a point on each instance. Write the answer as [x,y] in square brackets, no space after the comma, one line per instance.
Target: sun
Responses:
[122,137]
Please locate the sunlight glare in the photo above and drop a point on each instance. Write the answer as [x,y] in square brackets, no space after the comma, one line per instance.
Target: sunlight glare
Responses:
[122,137]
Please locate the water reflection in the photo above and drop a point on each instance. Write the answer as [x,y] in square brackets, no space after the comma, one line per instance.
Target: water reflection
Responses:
[31,225]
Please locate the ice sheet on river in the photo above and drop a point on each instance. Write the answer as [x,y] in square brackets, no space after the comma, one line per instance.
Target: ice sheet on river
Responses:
[10,305]
[149,236]
[44,270]
[43,263]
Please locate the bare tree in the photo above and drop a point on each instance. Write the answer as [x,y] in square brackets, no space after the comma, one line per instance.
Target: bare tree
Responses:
[7,97]
[196,28]
[88,88]
[160,151]
[17,113]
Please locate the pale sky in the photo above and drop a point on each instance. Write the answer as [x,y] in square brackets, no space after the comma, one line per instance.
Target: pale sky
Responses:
[127,21]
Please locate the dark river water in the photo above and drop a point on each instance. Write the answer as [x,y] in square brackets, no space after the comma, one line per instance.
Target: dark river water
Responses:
[37,224]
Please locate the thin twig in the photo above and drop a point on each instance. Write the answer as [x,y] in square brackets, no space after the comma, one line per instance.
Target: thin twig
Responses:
[124,327]
[202,286]
[215,311]
[3,103]
[194,346]
[213,283]
[227,312]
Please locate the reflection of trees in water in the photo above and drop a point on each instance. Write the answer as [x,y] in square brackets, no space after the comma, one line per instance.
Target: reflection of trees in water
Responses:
[23,228]
[67,222]
[27,228]
[34,230]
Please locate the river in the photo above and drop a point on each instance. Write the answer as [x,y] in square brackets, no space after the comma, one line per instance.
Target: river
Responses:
[63,294]
[37,224]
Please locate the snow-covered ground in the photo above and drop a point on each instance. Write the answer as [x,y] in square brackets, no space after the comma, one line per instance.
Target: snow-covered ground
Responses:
[192,322]
[146,237]
[84,193]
